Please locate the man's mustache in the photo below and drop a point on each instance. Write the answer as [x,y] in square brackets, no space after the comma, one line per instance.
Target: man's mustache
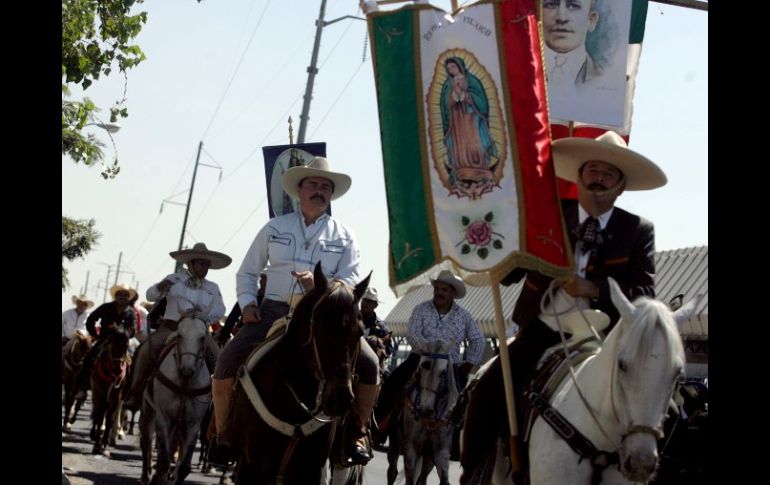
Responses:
[319,197]
[597,186]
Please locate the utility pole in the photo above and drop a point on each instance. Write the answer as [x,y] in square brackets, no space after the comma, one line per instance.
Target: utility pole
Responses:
[117,270]
[312,70]
[85,288]
[107,283]
[189,199]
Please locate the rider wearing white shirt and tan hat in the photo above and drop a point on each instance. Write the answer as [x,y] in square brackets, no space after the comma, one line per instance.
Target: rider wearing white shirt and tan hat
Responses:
[188,294]
[292,244]
[74,319]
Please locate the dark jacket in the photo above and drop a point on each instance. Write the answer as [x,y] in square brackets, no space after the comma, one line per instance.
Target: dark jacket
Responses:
[628,257]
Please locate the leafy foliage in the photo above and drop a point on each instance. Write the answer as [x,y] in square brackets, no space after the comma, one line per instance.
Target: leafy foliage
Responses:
[78,236]
[96,37]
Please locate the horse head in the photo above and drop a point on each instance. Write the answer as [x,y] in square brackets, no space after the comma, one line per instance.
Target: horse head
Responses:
[435,376]
[649,360]
[326,323]
[188,353]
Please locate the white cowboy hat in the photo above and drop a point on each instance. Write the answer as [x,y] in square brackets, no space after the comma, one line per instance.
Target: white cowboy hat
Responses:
[83,298]
[199,251]
[123,287]
[371,294]
[316,167]
[640,173]
[449,278]
[575,322]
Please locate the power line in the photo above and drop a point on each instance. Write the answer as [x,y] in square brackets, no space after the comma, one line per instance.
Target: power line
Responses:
[336,100]
[232,77]
[244,222]
[146,237]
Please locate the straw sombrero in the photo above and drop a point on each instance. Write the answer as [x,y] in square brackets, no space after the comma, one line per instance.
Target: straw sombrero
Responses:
[316,167]
[199,251]
[569,154]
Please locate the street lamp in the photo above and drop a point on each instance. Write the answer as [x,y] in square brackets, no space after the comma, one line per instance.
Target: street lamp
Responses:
[109,127]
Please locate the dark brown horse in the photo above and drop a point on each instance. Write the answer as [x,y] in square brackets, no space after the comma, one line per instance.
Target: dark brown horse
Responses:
[296,386]
[108,377]
[72,360]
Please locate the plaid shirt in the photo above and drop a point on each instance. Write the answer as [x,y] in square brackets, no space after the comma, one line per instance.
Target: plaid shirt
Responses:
[425,326]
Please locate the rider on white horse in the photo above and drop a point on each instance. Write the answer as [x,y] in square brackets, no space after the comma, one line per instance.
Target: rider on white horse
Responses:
[606,242]
[188,294]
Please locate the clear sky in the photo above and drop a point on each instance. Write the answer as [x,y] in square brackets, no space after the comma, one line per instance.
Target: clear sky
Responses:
[174,96]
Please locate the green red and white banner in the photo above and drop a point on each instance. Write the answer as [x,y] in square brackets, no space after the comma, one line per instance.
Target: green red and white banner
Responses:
[466,142]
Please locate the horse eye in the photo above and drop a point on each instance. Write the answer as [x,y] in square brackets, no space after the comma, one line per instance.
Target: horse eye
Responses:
[622,365]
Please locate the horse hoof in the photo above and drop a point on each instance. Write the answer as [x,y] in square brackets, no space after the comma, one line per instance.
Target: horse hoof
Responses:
[112,442]
[97,450]
[206,468]
[66,428]
[106,453]
[121,435]
[225,481]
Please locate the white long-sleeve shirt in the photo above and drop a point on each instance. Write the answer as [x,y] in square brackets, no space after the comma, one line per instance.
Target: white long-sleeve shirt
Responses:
[71,322]
[182,296]
[284,244]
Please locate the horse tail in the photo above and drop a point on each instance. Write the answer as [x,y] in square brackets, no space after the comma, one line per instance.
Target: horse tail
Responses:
[355,475]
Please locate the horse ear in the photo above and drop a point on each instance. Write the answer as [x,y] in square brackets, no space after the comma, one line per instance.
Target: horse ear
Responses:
[625,307]
[361,287]
[686,311]
[319,279]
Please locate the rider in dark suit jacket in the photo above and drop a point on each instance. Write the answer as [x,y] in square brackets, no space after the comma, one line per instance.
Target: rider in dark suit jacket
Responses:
[602,168]
[624,248]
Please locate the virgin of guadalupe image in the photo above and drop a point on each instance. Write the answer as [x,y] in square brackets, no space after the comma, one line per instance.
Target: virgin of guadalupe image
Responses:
[471,153]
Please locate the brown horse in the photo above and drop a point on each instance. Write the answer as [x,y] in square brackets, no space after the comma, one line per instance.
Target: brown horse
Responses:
[107,378]
[296,385]
[72,360]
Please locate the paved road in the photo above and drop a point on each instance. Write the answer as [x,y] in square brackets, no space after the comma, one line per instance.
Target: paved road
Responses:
[124,466]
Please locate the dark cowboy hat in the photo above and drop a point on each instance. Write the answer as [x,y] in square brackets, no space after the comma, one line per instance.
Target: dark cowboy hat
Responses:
[199,251]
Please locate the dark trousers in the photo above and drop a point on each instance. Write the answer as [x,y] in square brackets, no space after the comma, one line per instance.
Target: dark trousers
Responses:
[525,351]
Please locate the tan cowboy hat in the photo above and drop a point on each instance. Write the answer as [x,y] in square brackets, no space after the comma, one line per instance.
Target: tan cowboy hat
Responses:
[569,154]
[83,298]
[371,294]
[316,167]
[123,287]
[148,305]
[449,278]
[199,251]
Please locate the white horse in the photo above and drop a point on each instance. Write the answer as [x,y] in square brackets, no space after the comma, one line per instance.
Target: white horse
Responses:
[427,431]
[174,403]
[617,401]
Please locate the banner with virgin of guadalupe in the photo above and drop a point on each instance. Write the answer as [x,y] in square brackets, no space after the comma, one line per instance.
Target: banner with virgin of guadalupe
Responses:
[465,142]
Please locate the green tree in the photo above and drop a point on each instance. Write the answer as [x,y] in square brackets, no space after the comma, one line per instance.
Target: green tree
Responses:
[96,37]
[77,239]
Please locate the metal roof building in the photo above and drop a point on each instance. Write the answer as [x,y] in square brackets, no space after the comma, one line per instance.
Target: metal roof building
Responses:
[678,271]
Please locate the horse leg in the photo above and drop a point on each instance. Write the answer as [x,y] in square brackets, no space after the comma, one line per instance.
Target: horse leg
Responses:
[78,405]
[146,430]
[131,423]
[442,442]
[187,448]
[427,466]
[69,400]
[394,447]
[163,443]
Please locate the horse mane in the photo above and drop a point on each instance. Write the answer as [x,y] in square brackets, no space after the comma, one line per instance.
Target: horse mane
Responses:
[337,302]
[650,316]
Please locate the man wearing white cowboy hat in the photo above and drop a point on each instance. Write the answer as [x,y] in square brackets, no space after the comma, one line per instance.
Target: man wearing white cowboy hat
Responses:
[606,241]
[440,318]
[372,323]
[74,319]
[188,294]
[114,316]
[292,244]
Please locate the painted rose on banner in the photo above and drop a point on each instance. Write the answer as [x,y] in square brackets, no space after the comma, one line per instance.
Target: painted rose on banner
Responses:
[465,125]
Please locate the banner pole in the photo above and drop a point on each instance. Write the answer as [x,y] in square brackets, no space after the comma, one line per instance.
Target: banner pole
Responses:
[507,380]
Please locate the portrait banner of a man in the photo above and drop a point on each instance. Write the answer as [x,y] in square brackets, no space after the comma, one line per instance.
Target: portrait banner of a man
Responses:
[465,140]
[586,58]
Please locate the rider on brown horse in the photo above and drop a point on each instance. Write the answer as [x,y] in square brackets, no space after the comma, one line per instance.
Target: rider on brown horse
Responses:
[113,316]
